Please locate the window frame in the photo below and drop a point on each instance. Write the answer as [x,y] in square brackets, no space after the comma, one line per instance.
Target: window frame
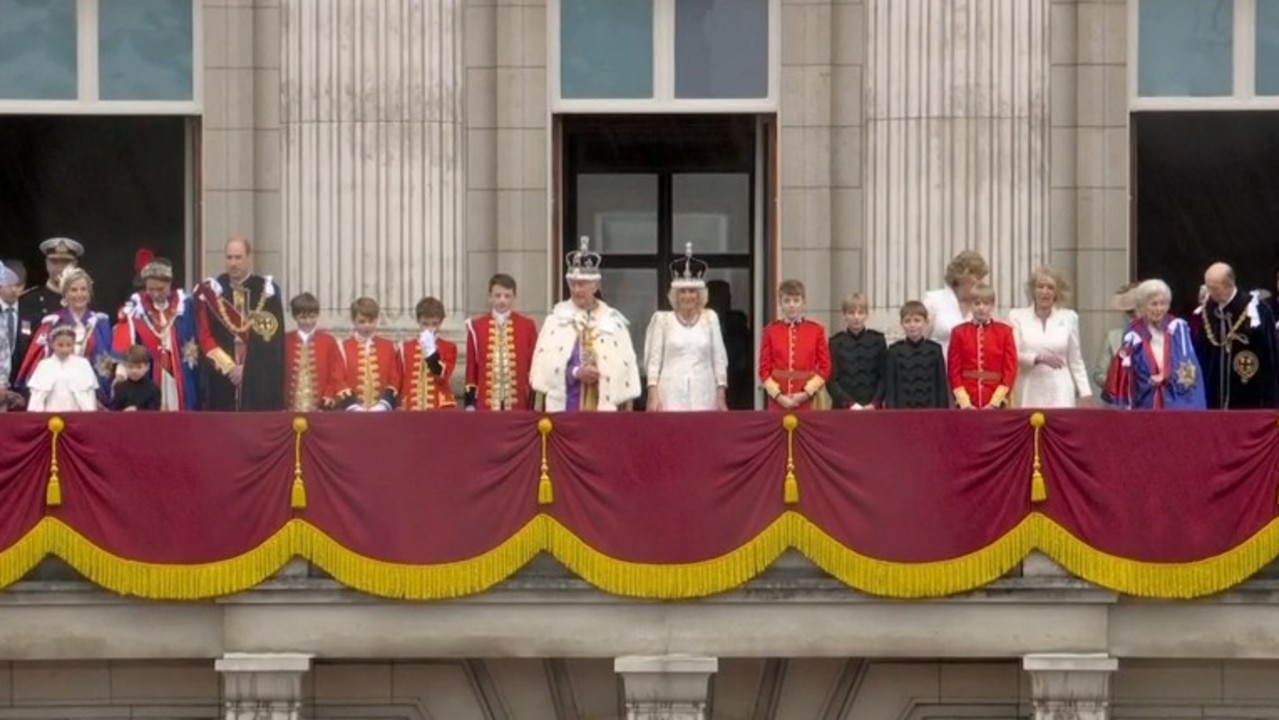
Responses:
[88,102]
[1244,71]
[664,99]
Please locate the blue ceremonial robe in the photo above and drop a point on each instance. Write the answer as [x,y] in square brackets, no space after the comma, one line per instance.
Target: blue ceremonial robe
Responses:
[1182,387]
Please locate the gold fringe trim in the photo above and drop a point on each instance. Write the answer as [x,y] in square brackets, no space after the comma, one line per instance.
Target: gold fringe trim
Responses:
[1171,581]
[1038,488]
[297,495]
[663,581]
[642,580]
[53,491]
[912,580]
[422,582]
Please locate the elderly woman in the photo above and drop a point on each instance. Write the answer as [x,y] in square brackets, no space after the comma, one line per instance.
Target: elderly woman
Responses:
[92,331]
[1052,372]
[1114,337]
[684,353]
[1156,367]
[951,305]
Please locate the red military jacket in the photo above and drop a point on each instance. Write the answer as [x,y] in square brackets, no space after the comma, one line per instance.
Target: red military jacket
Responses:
[498,362]
[982,363]
[373,372]
[314,374]
[422,388]
[793,357]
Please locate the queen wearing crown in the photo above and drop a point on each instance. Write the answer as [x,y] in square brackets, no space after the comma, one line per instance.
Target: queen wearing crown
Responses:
[684,355]
[584,360]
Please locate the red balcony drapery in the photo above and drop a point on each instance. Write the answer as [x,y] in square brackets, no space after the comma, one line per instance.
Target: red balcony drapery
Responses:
[438,505]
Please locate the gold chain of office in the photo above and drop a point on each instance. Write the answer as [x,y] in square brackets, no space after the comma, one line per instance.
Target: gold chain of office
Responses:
[1234,329]
[252,320]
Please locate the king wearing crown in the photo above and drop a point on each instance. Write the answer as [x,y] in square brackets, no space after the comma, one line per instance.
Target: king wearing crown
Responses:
[584,359]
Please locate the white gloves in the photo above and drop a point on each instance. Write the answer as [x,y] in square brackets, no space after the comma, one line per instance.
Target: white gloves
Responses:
[427,338]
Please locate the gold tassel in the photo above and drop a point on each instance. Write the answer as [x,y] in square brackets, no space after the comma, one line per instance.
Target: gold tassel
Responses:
[297,497]
[1038,488]
[545,494]
[53,492]
[790,489]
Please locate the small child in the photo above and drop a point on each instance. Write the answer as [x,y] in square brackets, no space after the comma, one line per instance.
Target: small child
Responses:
[314,375]
[428,362]
[982,358]
[857,359]
[137,391]
[64,381]
[915,370]
[794,358]
[371,362]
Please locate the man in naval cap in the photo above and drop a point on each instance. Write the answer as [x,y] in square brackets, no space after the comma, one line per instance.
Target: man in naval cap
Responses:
[60,253]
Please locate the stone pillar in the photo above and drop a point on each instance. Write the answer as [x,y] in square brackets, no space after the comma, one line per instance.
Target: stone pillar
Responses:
[1070,687]
[666,687]
[957,129]
[262,686]
[372,176]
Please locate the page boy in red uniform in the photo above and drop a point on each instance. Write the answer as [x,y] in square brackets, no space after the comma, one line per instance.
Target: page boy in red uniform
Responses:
[794,358]
[982,358]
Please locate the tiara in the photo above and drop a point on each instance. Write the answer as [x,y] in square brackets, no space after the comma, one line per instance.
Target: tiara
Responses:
[582,263]
[157,270]
[688,271]
[61,329]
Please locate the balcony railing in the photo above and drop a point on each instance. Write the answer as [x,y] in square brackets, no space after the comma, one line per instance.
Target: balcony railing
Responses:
[428,506]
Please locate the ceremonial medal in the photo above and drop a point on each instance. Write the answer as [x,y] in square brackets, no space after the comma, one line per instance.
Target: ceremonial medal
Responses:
[1246,365]
[191,353]
[264,324]
[1187,374]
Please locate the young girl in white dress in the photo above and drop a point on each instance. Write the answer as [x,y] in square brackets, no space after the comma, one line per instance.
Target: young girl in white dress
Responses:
[687,365]
[64,381]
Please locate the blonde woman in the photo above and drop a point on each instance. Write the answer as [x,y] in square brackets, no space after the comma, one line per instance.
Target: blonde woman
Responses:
[1052,370]
[687,365]
[90,330]
[952,305]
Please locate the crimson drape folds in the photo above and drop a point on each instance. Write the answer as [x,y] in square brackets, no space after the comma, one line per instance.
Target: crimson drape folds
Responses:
[673,505]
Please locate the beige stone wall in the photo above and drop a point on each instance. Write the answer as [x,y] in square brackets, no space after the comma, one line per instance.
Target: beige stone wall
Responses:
[507,197]
[240,148]
[1098,179]
[542,689]
[819,149]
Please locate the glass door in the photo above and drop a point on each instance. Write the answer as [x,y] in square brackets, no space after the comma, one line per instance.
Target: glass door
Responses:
[642,188]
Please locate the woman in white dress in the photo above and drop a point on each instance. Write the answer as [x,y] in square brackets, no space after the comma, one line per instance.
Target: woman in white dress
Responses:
[950,306]
[687,365]
[1052,369]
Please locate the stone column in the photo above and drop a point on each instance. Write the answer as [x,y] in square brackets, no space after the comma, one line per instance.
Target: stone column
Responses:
[1070,687]
[372,177]
[957,130]
[262,686]
[666,687]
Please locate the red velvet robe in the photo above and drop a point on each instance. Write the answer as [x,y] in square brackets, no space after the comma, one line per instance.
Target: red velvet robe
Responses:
[373,371]
[497,364]
[422,388]
[320,364]
[981,363]
[793,357]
